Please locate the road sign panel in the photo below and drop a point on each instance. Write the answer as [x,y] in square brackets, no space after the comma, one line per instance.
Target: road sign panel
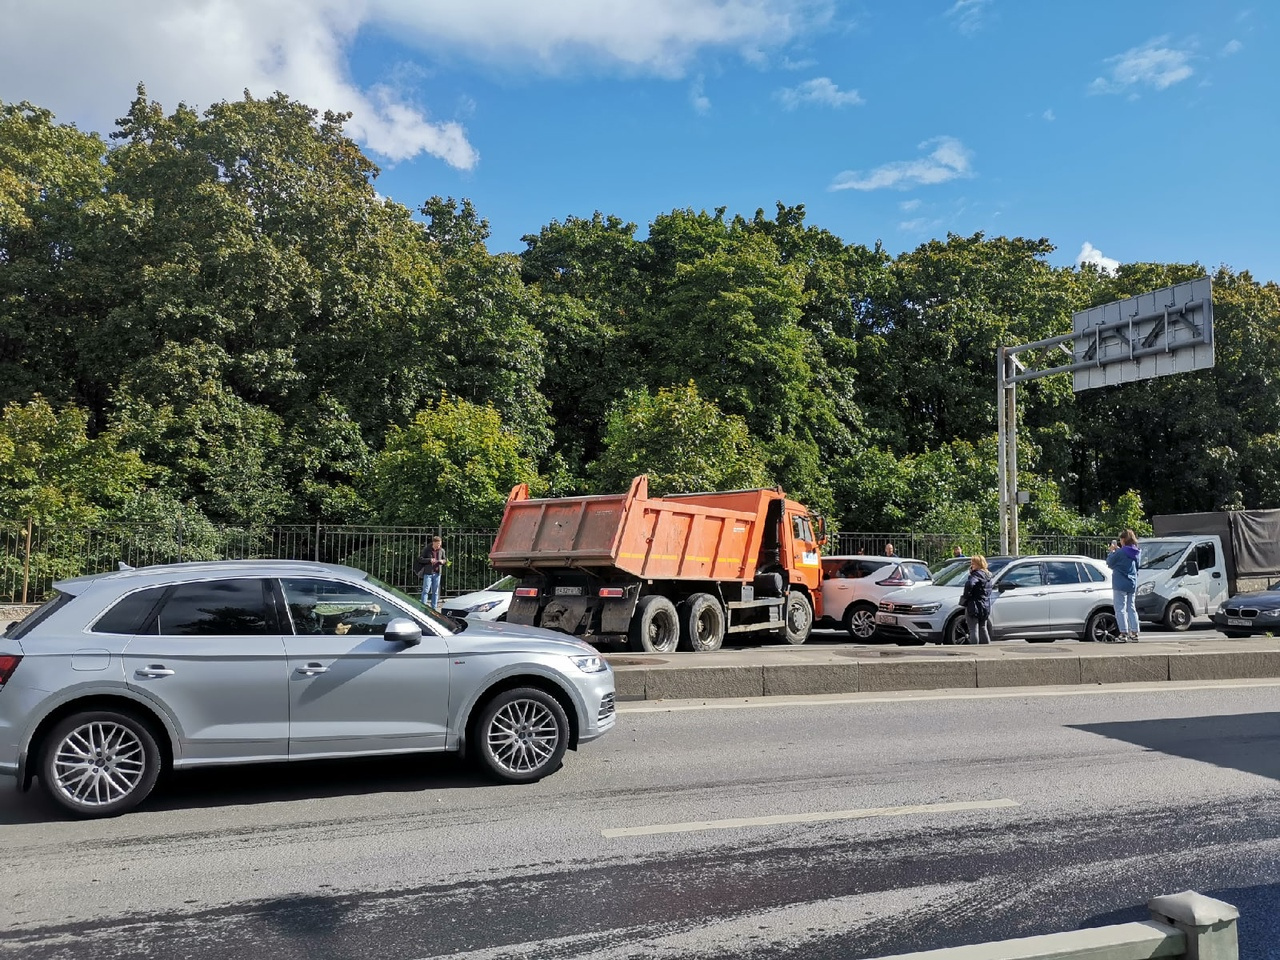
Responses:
[1169,330]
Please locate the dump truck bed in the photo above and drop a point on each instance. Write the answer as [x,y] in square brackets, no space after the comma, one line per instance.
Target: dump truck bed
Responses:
[713,536]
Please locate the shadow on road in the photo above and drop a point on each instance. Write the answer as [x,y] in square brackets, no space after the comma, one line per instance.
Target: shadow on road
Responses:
[276,783]
[1248,742]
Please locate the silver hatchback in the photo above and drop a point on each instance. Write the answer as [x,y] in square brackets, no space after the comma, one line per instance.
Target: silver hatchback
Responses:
[124,674]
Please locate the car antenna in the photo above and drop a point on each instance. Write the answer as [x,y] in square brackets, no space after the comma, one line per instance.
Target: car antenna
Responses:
[124,566]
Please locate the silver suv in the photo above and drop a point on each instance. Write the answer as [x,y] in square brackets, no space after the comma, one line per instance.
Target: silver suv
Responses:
[123,674]
[1038,599]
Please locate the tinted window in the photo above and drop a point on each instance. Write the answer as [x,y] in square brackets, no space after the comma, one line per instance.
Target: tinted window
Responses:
[130,613]
[1025,575]
[1091,573]
[1206,556]
[334,608]
[1061,572]
[218,608]
[20,628]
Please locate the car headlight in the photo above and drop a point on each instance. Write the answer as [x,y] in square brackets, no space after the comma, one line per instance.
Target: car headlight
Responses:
[926,610]
[483,607]
[1146,588]
[594,664]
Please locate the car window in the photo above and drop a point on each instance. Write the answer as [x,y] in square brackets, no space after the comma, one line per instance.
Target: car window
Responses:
[1206,555]
[1090,573]
[1024,575]
[130,614]
[1060,572]
[20,628]
[505,585]
[952,574]
[336,608]
[801,529]
[917,572]
[218,608]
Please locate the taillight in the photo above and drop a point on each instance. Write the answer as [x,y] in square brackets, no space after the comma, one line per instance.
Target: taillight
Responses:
[526,591]
[7,666]
[612,592]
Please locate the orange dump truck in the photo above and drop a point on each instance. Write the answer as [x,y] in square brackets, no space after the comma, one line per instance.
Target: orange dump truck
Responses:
[662,573]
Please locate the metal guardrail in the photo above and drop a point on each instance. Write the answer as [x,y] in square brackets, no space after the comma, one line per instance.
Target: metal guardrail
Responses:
[1187,925]
[32,558]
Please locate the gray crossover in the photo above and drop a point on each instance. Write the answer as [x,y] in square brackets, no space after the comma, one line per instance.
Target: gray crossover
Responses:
[123,674]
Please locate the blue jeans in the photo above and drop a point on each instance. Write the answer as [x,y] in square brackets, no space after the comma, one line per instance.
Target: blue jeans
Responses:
[1126,611]
[431,590]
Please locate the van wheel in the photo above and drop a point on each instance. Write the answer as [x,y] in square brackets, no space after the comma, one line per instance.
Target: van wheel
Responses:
[99,763]
[860,621]
[655,627]
[799,618]
[1178,615]
[701,623]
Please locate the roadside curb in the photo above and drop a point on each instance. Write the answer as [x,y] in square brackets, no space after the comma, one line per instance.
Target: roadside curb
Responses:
[833,672]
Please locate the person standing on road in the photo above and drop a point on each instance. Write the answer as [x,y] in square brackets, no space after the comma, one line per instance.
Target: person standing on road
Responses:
[430,566]
[977,600]
[1124,559]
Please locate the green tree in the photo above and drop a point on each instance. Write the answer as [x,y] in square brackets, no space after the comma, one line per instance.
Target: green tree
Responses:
[681,440]
[454,463]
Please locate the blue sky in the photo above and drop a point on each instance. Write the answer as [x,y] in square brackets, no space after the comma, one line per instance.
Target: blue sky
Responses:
[1145,129]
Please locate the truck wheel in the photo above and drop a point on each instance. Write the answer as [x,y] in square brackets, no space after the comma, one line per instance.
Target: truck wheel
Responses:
[860,621]
[799,618]
[655,627]
[1178,615]
[701,623]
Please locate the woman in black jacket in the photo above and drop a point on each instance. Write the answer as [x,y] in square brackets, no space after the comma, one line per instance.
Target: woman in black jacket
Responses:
[977,600]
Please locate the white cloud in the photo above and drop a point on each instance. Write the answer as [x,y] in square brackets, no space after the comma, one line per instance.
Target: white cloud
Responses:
[698,96]
[819,90]
[969,15]
[1092,255]
[83,58]
[1152,65]
[948,160]
[906,206]
[1232,47]
[1049,115]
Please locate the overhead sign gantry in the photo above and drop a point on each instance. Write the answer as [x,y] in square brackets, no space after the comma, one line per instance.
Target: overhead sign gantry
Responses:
[1166,331]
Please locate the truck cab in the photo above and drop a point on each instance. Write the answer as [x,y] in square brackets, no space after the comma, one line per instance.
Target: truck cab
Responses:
[1181,577]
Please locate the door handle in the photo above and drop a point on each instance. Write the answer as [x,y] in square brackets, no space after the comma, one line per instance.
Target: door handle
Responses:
[311,669]
[154,670]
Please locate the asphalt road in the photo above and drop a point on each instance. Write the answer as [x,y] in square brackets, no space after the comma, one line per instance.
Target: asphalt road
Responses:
[1003,813]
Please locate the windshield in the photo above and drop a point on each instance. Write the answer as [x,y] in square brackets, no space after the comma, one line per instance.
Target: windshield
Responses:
[418,607]
[1162,554]
[505,585]
[951,574]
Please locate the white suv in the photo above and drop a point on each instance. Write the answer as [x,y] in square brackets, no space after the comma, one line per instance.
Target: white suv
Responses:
[852,588]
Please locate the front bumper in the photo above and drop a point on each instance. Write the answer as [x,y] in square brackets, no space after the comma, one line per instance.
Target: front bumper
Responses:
[1150,607]
[913,628]
[600,700]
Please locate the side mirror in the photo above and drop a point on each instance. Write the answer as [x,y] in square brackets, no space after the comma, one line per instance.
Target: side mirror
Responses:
[403,630]
[1004,587]
[1190,568]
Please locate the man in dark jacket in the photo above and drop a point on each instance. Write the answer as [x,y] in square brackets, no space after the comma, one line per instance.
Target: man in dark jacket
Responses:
[430,566]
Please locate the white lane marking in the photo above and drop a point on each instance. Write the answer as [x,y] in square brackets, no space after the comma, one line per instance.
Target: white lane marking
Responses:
[818,817]
[1002,693]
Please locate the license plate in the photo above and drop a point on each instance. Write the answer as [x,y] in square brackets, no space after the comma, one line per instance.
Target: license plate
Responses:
[1239,623]
[888,618]
[568,591]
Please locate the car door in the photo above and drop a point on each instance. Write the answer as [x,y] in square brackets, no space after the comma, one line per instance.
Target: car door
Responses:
[213,654]
[1071,597]
[1021,604]
[350,690]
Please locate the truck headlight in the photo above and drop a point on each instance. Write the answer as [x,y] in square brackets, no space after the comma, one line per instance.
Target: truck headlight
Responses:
[1145,588]
[590,664]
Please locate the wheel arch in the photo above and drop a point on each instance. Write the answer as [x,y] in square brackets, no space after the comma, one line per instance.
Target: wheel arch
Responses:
[538,681]
[144,713]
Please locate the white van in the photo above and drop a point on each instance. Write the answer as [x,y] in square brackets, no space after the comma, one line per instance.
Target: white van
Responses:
[1180,578]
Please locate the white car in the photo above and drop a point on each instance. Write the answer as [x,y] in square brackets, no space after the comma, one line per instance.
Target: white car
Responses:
[1038,599]
[491,603]
[852,588]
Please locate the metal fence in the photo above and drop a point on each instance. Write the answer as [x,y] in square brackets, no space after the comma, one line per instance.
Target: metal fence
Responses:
[32,558]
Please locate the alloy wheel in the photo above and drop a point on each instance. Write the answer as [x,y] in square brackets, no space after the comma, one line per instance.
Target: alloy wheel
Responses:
[523,736]
[98,763]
